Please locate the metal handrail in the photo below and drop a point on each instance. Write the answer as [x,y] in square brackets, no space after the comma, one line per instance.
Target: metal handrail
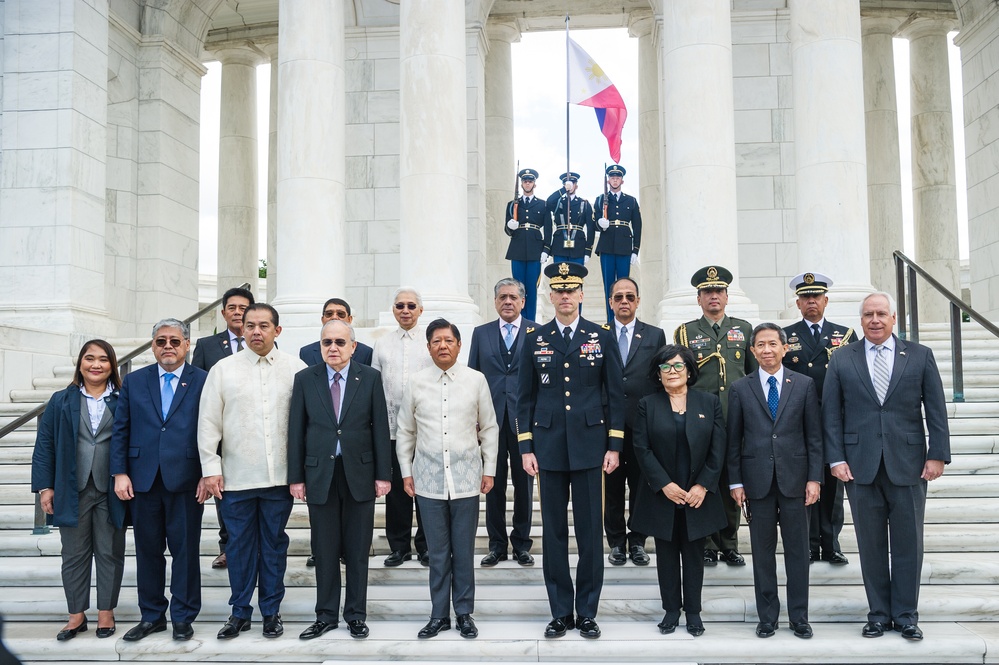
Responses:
[124,367]
[906,271]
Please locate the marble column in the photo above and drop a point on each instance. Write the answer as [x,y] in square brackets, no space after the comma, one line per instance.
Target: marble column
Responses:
[649,273]
[237,213]
[271,50]
[500,164]
[311,163]
[830,150]
[433,229]
[884,177]
[699,142]
[934,196]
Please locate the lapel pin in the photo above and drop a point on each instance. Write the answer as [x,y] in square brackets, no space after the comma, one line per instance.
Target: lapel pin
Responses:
[901,353]
[787,380]
[183,385]
[637,336]
[700,415]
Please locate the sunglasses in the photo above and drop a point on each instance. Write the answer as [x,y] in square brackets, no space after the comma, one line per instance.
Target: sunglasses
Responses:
[330,342]
[675,367]
[173,341]
[619,297]
[406,305]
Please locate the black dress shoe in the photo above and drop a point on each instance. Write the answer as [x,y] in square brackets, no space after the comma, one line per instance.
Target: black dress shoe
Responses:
[694,625]
[523,558]
[910,631]
[70,633]
[144,629]
[396,558]
[731,557]
[233,627]
[357,628]
[813,556]
[557,626]
[710,558]
[219,561]
[766,629]
[311,561]
[105,632]
[617,557]
[670,621]
[835,558]
[182,631]
[588,628]
[639,556]
[433,627]
[875,628]
[491,559]
[424,559]
[273,626]
[318,628]
[802,630]
[466,626]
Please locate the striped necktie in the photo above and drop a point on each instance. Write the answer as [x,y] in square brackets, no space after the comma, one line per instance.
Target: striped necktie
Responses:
[881,376]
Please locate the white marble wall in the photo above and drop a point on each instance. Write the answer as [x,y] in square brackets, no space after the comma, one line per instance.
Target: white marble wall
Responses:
[479,285]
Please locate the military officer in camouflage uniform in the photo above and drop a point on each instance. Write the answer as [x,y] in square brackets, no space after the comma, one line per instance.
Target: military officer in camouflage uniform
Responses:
[721,345]
[810,344]
[620,232]
[569,236]
[527,239]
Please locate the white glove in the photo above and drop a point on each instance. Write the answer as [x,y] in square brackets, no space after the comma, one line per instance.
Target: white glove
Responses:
[603,224]
[544,258]
[513,225]
[634,259]
[586,260]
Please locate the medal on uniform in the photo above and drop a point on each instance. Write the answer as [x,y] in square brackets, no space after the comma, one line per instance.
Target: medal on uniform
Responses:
[545,380]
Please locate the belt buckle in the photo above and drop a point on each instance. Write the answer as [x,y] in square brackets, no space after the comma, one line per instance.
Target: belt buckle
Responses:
[568,244]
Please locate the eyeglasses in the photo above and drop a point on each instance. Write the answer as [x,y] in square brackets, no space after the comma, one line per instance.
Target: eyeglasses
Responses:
[406,305]
[619,297]
[675,367]
[330,342]
[173,341]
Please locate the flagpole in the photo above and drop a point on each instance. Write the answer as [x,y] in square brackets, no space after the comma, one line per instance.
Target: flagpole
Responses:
[567,169]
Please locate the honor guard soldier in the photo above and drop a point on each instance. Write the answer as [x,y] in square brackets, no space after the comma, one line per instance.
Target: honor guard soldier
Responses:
[570,425]
[720,344]
[619,221]
[526,218]
[811,343]
[569,237]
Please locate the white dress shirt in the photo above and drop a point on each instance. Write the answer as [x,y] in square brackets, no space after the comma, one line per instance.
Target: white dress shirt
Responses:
[398,356]
[870,354]
[516,326]
[629,335]
[95,406]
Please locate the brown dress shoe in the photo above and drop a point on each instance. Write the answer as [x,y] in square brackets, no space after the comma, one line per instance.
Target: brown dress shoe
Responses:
[219,561]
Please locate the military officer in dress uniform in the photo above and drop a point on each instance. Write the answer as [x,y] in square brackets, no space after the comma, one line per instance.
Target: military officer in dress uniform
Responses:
[569,236]
[721,345]
[566,368]
[810,344]
[526,219]
[620,231]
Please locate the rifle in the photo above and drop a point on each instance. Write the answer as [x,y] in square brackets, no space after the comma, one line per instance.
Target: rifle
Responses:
[516,191]
[605,190]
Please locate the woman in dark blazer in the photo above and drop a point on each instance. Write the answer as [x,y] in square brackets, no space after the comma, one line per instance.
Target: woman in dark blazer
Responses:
[69,470]
[679,439]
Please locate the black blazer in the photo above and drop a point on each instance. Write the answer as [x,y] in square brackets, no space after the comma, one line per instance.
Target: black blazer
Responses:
[312,354]
[211,349]
[655,440]
[363,432]
[645,342]
[486,356]
[760,448]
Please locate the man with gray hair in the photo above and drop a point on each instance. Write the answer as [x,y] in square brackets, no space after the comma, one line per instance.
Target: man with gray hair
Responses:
[155,465]
[399,355]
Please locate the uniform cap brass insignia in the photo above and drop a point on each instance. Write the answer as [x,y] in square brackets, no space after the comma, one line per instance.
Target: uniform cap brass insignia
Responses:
[563,269]
[712,272]
[809,278]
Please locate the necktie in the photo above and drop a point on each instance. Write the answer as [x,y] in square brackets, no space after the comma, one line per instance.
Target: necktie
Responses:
[881,376]
[716,328]
[773,397]
[815,331]
[335,394]
[622,343]
[567,335]
[239,344]
[166,394]
[508,338]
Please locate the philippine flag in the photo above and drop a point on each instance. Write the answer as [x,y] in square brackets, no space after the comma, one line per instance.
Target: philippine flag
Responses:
[589,86]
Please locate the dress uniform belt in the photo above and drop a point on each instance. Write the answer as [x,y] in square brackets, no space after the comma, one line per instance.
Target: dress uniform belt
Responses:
[568,227]
[525,225]
[617,222]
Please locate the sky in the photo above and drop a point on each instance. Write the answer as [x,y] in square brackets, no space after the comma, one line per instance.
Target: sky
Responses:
[540,127]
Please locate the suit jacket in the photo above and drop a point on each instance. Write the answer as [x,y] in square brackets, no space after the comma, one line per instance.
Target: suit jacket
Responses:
[561,415]
[486,356]
[646,340]
[807,357]
[362,429]
[789,447]
[211,349]
[144,443]
[862,432]
[312,354]
[655,442]
[53,461]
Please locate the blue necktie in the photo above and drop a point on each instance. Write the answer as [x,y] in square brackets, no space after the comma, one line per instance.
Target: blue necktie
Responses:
[773,397]
[166,394]
[508,338]
[622,343]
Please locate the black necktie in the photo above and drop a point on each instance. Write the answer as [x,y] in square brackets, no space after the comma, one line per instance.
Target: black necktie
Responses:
[815,332]
[567,335]
[716,328]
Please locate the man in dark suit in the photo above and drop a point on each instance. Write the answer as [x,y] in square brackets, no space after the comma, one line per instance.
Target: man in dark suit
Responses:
[569,237]
[570,425]
[619,220]
[155,464]
[775,462]
[213,348]
[338,461]
[638,343]
[526,218]
[495,352]
[872,409]
[339,310]
[810,344]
